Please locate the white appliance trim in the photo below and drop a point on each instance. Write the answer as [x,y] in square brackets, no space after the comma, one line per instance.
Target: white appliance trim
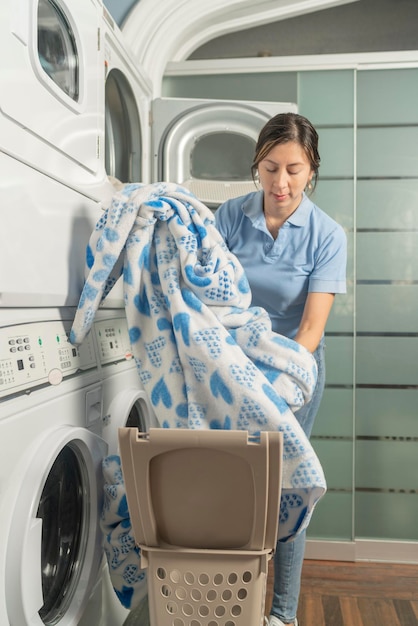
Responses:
[175,30]
[360,61]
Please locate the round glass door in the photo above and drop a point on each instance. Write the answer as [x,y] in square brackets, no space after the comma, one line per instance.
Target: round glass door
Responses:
[137,417]
[64,512]
[123,141]
[127,409]
[222,156]
[57,49]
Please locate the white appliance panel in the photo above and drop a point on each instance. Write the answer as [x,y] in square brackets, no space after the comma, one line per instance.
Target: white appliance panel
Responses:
[35,355]
[50,114]
[42,249]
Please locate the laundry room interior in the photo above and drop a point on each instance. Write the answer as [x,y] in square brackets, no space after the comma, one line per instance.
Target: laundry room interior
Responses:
[110,104]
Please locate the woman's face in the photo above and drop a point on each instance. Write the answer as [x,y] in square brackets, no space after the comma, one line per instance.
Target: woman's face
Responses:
[284,174]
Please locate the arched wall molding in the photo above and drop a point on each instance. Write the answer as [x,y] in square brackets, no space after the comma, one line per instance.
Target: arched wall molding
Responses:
[164,31]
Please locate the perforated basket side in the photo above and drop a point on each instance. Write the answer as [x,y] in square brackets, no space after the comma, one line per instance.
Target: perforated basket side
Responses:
[206,588]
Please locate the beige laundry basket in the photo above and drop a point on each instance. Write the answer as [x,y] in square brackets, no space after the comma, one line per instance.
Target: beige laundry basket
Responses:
[204,509]
[206,588]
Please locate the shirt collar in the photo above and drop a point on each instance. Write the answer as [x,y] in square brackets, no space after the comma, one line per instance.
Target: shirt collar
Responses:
[302,213]
[253,209]
[252,206]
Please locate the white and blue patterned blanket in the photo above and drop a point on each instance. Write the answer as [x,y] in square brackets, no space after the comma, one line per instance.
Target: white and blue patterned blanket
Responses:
[205,357]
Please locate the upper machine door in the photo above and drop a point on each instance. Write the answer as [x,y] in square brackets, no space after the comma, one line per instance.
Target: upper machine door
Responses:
[127,98]
[123,138]
[49,101]
[208,145]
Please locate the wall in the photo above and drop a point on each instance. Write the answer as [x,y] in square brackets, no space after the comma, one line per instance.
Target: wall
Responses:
[362,26]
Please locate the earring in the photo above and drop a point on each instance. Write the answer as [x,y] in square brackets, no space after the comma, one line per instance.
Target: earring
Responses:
[257,178]
[309,186]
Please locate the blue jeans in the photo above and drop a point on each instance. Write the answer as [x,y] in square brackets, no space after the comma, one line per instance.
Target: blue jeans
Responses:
[288,558]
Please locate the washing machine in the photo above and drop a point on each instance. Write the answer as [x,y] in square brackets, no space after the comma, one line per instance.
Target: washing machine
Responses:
[208,145]
[51,548]
[124,403]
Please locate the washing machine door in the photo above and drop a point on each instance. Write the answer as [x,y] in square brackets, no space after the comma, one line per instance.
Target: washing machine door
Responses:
[54,545]
[208,145]
[129,407]
[128,93]
[123,139]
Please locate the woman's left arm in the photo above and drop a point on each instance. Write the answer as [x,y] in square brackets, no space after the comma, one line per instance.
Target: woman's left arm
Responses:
[315,314]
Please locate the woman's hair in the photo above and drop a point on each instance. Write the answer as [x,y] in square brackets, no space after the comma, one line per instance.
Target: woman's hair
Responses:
[283,128]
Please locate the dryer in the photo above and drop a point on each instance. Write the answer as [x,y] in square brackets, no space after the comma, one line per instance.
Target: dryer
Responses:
[50,98]
[127,97]
[208,145]
[51,132]
[50,477]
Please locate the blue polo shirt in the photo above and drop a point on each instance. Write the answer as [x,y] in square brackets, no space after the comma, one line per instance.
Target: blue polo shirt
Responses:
[309,255]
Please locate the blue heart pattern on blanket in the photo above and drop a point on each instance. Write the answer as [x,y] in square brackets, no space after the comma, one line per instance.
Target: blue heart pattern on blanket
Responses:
[161,392]
[220,389]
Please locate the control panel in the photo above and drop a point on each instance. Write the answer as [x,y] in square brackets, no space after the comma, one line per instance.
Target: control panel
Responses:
[113,340]
[39,353]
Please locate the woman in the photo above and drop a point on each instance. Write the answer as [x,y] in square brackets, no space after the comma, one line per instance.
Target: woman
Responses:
[294,256]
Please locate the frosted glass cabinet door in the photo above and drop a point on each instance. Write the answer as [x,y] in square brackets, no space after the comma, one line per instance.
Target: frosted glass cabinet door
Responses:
[386,97]
[387,361]
[338,475]
[387,256]
[386,465]
[339,360]
[327,97]
[337,152]
[387,152]
[341,316]
[332,518]
[387,204]
[386,413]
[386,515]
[387,308]
[336,198]
[335,415]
